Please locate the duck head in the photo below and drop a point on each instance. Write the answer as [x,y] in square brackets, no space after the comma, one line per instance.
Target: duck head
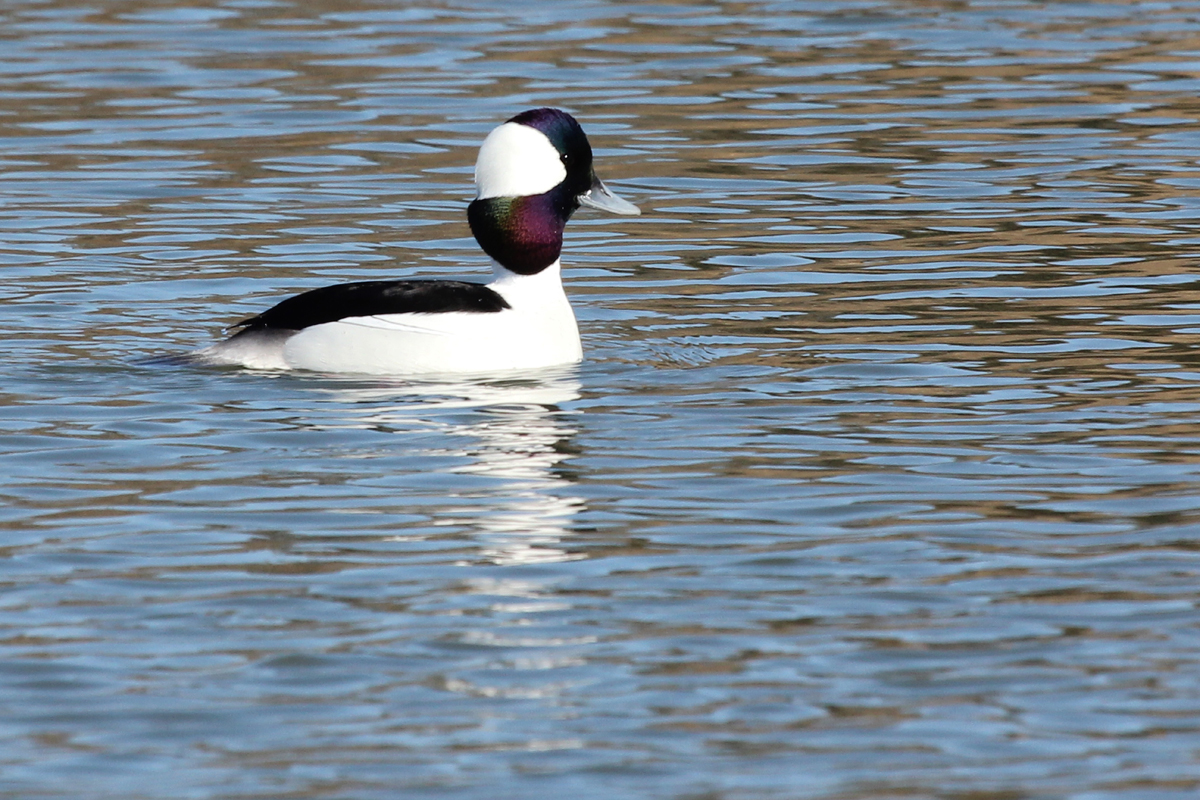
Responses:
[532,174]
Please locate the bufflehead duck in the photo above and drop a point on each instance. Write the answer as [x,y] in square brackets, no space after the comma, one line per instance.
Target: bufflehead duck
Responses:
[532,173]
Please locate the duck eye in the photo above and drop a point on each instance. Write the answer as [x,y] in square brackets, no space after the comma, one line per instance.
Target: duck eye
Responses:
[564,158]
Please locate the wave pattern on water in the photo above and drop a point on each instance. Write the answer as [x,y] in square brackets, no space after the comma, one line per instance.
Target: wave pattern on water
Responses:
[880,478]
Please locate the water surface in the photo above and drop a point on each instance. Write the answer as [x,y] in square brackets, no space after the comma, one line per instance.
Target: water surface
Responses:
[881,477]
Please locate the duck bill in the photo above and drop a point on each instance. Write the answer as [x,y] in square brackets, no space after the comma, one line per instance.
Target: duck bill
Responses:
[601,197]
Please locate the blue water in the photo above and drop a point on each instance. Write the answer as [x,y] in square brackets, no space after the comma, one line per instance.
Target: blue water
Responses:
[880,478]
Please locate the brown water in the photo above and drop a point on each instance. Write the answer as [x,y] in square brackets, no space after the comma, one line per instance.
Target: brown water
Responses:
[879,480]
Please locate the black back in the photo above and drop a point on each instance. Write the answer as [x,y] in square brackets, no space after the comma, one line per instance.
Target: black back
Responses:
[370,298]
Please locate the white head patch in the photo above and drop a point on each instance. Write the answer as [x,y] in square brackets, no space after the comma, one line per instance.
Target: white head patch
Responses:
[517,160]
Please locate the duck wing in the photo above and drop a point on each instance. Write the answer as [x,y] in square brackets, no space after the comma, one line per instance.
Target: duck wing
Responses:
[374,298]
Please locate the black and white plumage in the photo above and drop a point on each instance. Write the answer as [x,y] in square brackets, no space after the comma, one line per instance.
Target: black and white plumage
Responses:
[532,174]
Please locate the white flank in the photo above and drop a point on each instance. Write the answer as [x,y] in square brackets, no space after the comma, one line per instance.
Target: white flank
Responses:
[257,350]
[539,330]
[516,160]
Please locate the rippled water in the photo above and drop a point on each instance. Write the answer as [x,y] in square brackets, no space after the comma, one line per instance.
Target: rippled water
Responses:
[881,477]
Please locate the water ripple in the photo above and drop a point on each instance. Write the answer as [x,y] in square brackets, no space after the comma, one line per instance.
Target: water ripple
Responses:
[879,478]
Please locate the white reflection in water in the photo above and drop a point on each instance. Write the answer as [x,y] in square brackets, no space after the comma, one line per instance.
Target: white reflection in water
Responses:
[512,435]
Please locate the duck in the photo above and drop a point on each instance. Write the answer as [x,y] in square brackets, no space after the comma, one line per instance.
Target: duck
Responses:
[532,174]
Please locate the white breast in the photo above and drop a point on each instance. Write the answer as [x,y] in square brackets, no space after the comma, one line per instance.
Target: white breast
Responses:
[539,330]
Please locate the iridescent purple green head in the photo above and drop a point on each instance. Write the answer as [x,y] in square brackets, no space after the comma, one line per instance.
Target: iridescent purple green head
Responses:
[533,172]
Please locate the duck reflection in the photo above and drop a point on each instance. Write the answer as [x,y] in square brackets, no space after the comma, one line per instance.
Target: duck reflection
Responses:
[512,433]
